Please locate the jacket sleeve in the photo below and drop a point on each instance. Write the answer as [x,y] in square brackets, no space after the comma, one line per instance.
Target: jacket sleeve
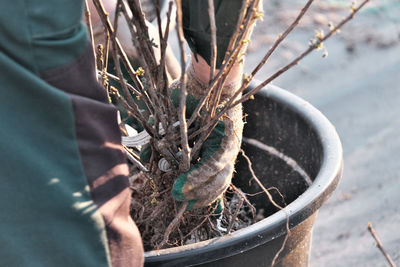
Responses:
[64,195]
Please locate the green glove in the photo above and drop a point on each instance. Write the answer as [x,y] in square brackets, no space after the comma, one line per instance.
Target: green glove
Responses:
[208,179]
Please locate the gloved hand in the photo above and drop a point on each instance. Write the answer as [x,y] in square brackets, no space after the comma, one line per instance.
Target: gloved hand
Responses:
[208,179]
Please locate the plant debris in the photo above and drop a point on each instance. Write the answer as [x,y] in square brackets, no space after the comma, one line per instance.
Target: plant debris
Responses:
[153,208]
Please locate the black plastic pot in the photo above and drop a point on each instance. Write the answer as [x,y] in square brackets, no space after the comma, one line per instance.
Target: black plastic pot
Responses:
[282,120]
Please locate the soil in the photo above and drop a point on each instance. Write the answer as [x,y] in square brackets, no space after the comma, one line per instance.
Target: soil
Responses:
[153,209]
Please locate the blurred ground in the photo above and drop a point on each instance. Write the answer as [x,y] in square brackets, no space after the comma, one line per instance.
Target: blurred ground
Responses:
[357,87]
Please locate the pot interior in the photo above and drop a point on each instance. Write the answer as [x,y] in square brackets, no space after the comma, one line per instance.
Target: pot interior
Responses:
[277,126]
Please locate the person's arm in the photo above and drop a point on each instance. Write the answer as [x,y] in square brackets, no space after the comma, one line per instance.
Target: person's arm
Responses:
[208,179]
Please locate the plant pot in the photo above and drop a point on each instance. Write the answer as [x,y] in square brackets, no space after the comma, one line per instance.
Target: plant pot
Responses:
[282,120]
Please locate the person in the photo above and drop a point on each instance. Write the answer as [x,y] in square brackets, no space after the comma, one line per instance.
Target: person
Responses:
[64,194]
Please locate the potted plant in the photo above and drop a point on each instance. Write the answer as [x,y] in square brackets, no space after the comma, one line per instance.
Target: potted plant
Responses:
[304,135]
[294,154]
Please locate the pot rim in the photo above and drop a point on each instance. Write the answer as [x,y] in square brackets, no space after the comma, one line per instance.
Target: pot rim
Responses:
[300,209]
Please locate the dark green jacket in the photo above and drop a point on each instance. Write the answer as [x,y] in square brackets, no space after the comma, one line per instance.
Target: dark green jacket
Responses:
[197,30]
[64,197]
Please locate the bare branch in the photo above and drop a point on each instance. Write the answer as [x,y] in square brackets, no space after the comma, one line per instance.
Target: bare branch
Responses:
[185,162]
[132,107]
[145,46]
[235,216]
[238,191]
[162,70]
[248,14]
[230,104]
[218,83]
[211,212]
[107,24]
[130,87]
[273,203]
[145,43]
[119,50]
[279,40]
[380,246]
[299,58]
[90,29]
[213,27]
[230,56]
[116,16]
[173,224]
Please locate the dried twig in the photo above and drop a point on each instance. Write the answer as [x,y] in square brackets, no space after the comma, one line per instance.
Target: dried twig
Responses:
[231,103]
[201,223]
[213,27]
[130,87]
[145,47]
[234,56]
[101,59]
[90,29]
[219,81]
[145,43]
[230,55]
[131,106]
[239,206]
[149,95]
[116,16]
[110,30]
[273,203]
[185,161]
[163,76]
[162,70]
[276,44]
[244,197]
[312,47]
[240,28]
[175,223]
[380,246]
